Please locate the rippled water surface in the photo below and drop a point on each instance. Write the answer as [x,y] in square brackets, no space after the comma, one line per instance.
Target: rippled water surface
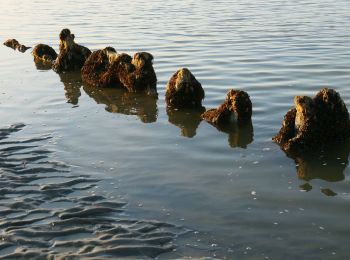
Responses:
[104,173]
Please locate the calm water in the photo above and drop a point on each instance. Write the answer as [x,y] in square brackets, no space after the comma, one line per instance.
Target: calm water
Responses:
[190,190]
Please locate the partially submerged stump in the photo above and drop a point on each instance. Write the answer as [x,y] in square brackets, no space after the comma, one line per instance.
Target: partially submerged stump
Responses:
[314,124]
[139,75]
[14,44]
[44,53]
[107,68]
[233,117]
[119,64]
[237,108]
[97,65]
[184,91]
[72,56]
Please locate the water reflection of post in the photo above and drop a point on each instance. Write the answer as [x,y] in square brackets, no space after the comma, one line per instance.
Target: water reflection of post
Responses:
[326,165]
[122,102]
[233,116]
[72,83]
[42,65]
[239,134]
[187,120]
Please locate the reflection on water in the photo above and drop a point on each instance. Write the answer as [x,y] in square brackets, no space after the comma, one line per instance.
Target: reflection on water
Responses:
[187,120]
[239,135]
[116,100]
[42,65]
[46,211]
[328,165]
[119,101]
[271,49]
[328,192]
[72,83]
[325,165]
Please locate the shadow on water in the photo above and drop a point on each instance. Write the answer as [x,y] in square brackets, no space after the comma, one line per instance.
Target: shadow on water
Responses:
[49,212]
[116,100]
[122,102]
[326,165]
[72,83]
[41,65]
[239,135]
[187,120]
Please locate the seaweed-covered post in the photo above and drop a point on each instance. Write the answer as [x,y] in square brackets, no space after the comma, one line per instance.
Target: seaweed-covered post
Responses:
[44,53]
[184,91]
[314,123]
[233,116]
[14,44]
[107,68]
[72,56]
[237,107]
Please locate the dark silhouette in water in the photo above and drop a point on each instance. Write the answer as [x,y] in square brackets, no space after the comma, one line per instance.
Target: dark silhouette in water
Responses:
[184,91]
[72,55]
[187,120]
[14,44]
[314,124]
[122,102]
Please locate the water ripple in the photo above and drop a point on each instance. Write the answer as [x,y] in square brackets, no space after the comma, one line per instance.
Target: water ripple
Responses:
[34,226]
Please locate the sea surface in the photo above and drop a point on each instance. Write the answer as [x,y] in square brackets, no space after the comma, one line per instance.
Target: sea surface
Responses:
[103,173]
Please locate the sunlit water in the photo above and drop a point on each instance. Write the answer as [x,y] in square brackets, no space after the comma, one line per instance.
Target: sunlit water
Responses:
[200,192]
